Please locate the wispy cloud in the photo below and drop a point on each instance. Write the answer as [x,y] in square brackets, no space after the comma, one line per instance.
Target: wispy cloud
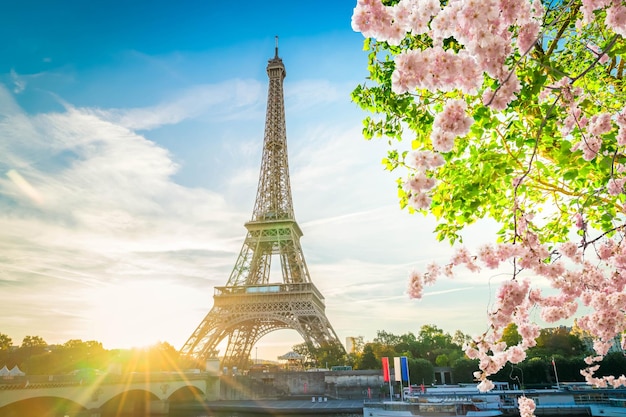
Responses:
[229,100]
[109,211]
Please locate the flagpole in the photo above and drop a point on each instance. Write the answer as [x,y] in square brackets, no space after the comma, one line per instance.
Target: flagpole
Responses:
[408,374]
[555,374]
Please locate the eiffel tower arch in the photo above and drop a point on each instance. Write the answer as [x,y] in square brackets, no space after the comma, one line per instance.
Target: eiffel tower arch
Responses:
[251,304]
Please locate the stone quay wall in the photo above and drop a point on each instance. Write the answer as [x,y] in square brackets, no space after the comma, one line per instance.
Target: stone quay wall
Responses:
[299,385]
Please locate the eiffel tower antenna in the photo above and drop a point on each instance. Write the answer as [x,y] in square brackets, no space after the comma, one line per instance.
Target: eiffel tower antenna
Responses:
[253,303]
[276,48]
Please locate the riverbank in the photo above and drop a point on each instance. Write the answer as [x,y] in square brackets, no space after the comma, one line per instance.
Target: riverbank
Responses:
[276,407]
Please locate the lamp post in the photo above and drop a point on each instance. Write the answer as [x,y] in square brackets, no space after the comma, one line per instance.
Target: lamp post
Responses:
[256,355]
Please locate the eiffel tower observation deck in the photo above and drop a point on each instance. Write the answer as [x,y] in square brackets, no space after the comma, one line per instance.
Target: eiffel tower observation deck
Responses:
[253,303]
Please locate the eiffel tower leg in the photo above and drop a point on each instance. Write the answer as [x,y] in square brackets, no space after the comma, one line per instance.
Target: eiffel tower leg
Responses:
[239,346]
[203,342]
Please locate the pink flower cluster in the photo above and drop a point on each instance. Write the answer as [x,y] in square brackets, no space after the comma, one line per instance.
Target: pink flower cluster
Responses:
[417,280]
[526,407]
[453,121]
[418,184]
[602,288]
[615,14]
[482,27]
[391,24]
[436,69]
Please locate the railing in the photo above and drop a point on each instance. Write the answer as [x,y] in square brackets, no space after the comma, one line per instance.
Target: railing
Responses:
[42,381]
[261,289]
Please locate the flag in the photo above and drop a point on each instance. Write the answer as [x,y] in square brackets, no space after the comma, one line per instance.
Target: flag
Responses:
[404,361]
[396,369]
[386,377]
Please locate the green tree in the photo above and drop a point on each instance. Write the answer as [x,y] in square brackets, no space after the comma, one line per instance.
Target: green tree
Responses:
[613,364]
[557,341]
[330,354]
[33,342]
[459,338]
[463,369]
[442,360]
[387,339]
[5,342]
[421,371]
[39,364]
[326,355]
[510,335]
[303,350]
[367,359]
[163,357]
[77,354]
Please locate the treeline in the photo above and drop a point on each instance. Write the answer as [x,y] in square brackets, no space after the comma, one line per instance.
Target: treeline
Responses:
[433,348]
[426,350]
[36,357]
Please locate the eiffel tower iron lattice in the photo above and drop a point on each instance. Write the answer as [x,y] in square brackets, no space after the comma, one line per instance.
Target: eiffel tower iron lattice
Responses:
[250,305]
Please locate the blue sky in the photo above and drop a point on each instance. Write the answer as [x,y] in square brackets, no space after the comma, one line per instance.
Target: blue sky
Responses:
[130,145]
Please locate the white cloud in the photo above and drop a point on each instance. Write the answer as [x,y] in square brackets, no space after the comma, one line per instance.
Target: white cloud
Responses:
[110,215]
[305,94]
[229,100]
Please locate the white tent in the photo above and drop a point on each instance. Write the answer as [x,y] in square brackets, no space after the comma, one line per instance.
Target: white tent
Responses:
[291,356]
[15,371]
[4,371]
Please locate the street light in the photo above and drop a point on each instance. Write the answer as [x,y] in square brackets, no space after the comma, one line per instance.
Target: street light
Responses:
[256,354]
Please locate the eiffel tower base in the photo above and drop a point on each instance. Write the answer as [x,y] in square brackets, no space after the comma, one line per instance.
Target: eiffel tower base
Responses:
[244,314]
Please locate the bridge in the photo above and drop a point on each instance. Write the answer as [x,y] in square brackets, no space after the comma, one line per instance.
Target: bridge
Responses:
[149,393]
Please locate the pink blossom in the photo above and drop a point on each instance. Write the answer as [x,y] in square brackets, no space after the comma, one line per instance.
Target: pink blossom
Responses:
[621,136]
[516,354]
[605,250]
[616,186]
[570,250]
[420,201]
[488,256]
[432,273]
[485,385]
[589,6]
[599,124]
[526,407]
[419,182]
[453,119]
[537,9]
[424,160]
[442,141]
[416,285]
[500,99]
[590,147]
[579,221]
[616,18]
[603,57]
[527,36]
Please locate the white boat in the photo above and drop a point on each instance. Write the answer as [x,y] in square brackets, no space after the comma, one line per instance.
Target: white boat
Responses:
[468,401]
[445,407]
[616,407]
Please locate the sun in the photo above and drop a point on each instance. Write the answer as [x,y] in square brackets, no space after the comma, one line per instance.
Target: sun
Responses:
[141,313]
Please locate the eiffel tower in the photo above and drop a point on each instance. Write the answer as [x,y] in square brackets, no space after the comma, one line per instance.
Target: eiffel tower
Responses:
[251,305]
